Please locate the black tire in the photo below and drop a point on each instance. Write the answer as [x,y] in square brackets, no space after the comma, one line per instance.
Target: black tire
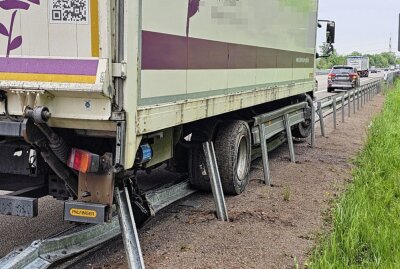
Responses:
[198,170]
[330,89]
[303,129]
[233,147]
[233,152]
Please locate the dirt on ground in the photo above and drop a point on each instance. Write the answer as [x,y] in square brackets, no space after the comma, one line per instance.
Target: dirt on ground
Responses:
[270,227]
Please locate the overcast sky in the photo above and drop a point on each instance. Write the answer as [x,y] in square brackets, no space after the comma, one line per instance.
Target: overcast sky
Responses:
[363,25]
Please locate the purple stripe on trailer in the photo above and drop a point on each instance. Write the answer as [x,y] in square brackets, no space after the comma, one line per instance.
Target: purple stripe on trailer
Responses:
[49,66]
[162,51]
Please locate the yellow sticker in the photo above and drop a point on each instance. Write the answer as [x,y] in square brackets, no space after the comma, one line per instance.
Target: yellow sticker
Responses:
[85,213]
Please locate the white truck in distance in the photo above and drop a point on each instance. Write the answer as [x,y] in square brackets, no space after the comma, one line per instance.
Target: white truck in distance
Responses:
[361,63]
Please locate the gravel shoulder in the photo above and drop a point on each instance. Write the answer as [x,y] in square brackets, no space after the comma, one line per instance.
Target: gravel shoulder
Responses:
[270,227]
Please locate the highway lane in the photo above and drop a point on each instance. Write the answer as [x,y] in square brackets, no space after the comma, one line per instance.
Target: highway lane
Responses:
[323,84]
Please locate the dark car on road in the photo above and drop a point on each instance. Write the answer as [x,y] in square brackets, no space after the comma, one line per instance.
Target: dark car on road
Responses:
[343,77]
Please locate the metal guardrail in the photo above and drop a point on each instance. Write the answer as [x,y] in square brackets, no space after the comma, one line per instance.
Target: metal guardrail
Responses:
[270,124]
[390,77]
[42,254]
[353,99]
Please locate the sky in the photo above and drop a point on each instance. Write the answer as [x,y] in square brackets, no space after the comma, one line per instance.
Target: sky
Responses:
[362,25]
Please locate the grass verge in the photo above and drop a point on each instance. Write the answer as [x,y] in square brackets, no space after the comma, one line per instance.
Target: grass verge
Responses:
[366,219]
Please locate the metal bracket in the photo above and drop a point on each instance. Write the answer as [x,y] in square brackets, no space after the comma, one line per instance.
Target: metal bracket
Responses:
[117,116]
[28,98]
[119,70]
[120,144]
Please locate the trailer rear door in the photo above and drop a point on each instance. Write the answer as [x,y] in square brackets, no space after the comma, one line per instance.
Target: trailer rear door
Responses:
[52,44]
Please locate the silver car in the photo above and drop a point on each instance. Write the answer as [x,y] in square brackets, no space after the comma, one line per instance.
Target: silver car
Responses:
[343,77]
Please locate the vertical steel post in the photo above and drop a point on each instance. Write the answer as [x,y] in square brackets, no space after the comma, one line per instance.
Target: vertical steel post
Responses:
[289,138]
[365,94]
[343,101]
[369,93]
[264,150]
[321,119]
[128,227]
[354,101]
[334,111]
[349,102]
[358,99]
[216,186]
[361,97]
[312,126]
[372,92]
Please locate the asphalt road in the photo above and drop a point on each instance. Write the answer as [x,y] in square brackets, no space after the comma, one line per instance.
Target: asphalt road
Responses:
[323,84]
[16,232]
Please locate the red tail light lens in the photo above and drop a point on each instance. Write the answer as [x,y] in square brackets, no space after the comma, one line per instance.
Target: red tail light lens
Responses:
[84,161]
[353,75]
[330,76]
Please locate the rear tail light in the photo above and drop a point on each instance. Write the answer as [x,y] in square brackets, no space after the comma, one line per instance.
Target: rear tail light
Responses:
[353,75]
[84,161]
[330,76]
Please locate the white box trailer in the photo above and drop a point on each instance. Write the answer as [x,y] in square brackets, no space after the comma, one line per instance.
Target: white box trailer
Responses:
[91,90]
[361,63]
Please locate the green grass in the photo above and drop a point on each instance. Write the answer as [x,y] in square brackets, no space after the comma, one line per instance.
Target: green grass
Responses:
[366,219]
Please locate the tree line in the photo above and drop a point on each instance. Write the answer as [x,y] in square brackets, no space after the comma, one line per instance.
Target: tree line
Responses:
[381,60]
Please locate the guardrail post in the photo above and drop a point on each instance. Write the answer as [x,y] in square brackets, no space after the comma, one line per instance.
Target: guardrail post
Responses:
[334,111]
[343,101]
[128,228]
[358,99]
[372,92]
[321,119]
[369,93]
[289,138]
[349,102]
[365,96]
[264,151]
[371,89]
[216,186]
[312,126]
[361,97]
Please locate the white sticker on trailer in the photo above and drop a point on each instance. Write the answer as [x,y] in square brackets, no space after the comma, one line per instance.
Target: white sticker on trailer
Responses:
[69,11]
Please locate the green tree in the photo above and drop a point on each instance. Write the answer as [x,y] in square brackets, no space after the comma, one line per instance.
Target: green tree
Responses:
[382,60]
[355,53]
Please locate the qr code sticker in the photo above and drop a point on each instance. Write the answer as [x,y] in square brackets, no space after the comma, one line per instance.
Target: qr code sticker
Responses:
[69,11]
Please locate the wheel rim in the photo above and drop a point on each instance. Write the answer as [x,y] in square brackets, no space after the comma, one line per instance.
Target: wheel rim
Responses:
[242,158]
